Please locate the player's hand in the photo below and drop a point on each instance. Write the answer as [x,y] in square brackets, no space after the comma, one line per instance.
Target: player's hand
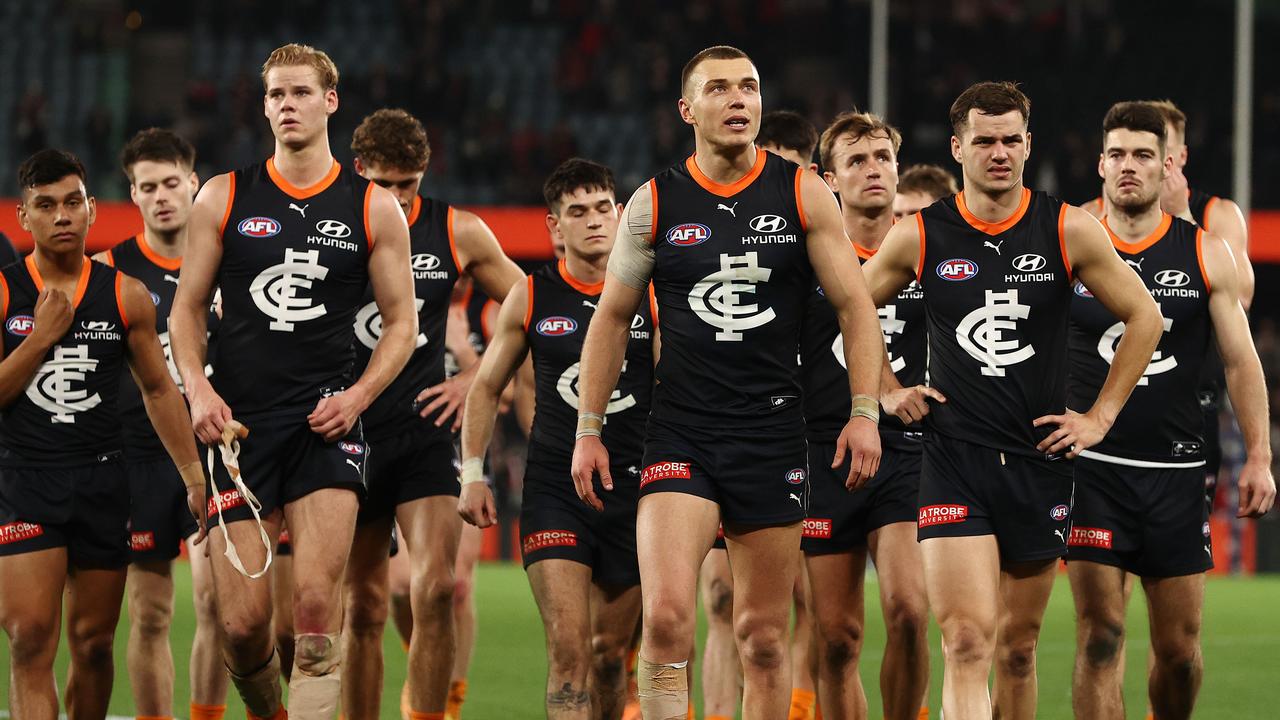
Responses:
[1257,489]
[196,504]
[53,316]
[1076,432]
[910,404]
[860,441]
[336,414]
[476,505]
[1173,193]
[209,413]
[449,398]
[589,459]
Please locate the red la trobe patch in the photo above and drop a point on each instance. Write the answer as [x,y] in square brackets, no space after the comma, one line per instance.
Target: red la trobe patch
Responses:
[16,531]
[941,515]
[816,528]
[140,541]
[229,498]
[543,539]
[665,471]
[1090,537]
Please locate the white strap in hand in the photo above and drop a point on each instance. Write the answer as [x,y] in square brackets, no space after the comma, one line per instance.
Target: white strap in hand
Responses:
[230,450]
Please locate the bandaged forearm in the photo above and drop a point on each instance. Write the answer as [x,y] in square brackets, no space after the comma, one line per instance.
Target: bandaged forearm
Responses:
[192,474]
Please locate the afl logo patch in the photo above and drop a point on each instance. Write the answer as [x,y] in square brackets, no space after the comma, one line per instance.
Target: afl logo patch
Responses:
[957,269]
[258,227]
[688,234]
[1083,291]
[20,325]
[797,476]
[155,299]
[1173,278]
[1059,512]
[351,448]
[557,326]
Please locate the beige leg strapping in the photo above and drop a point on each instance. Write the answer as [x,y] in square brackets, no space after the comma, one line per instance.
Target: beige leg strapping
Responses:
[663,690]
[316,683]
[260,689]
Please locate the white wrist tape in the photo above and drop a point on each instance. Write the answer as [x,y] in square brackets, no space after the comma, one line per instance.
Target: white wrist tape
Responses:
[472,471]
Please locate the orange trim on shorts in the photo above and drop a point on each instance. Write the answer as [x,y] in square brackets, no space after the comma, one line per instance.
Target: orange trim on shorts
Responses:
[231,200]
[486,327]
[920,262]
[732,188]
[575,283]
[453,242]
[1062,238]
[81,285]
[368,229]
[653,199]
[415,210]
[296,192]
[124,318]
[653,305]
[993,228]
[1165,221]
[1204,274]
[804,222]
[528,311]
[1208,207]
[156,258]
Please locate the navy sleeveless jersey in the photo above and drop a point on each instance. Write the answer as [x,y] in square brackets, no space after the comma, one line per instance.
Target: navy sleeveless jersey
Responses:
[997,300]
[560,309]
[1161,422]
[1199,203]
[732,277]
[435,270]
[159,274]
[294,270]
[67,415]
[827,402]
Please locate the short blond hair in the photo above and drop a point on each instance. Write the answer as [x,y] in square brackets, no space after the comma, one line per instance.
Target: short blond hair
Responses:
[859,125]
[1172,115]
[293,55]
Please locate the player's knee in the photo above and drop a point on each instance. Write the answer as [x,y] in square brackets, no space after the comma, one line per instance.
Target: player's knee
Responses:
[206,605]
[841,646]
[719,602]
[246,631]
[567,658]
[907,621]
[968,643]
[462,587]
[32,643]
[312,608]
[367,614]
[91,649]
[315,654]
[1018,658]
[608,659]
[667,625]
[150,617]
[1177,649]
[1102,642]
[433,596]
[761,644]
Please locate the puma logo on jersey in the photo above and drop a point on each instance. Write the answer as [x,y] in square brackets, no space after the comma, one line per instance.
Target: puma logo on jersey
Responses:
[567,387]
[170,278]
[981,333]
[1135,264]
[993,246]
[276,290]
[53,389]
[731,209]
[718,298]
[355,465]
[588,303]
[301,210]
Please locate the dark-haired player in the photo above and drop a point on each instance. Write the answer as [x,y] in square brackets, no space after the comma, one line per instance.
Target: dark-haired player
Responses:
[71,326]
[411,471]
[997,264]
[581,564]
[860,155]
[731,238]
[1138,498]
[163,184]
[292,244]
[920,186]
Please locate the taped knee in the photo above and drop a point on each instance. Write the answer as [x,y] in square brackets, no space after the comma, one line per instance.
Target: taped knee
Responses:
[260,689]
[315,654]
[663,689]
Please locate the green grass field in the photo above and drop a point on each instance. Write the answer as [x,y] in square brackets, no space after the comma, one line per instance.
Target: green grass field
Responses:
[1241,637]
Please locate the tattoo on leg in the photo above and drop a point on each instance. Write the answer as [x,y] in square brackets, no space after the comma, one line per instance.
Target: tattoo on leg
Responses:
[568,698]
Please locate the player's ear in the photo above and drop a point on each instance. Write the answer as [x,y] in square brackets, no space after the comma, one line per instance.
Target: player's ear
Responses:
[359,166]
[619,207]
[813,167]
[686,111]
[194,180]
[830,178]
[1102,159]
[21,209]
[331,100]
[553,224]
[93,209]
[955,150]
[1028,151]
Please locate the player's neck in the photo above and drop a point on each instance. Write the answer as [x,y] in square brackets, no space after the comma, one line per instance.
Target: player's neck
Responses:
[992,207]
[1137,225]
[866,227]
[59,268]
[588,271]
[724,165]
[171,244]
[303,166]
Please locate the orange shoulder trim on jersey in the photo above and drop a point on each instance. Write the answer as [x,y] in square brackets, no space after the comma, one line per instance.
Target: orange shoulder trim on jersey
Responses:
[296,192]
[4,297]
[156,258]
[231,200]
[994,228]
[1161,229]
[862,252]
[453,240]
[1208,208]
[124,317]
[81,285]
[109,257]
[1204,274]
[653,305]
[1062,239]
[804,222]
[653,198]
[528,310]
[414,211]
[368,227]
[920,262]
[732,188]
[486,325]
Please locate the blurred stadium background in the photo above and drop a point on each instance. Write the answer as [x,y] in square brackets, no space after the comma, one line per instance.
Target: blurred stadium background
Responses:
[509,88]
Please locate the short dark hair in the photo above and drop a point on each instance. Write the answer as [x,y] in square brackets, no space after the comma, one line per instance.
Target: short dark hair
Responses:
[48,166]
[715,52]
[1137,116]
[157,145]
[932,180]
[789,130]
[1172,115]
[392,138]
[573,174]
[989,98]
[858,124]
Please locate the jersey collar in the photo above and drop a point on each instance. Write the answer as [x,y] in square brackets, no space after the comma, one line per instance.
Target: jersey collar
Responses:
[81,285]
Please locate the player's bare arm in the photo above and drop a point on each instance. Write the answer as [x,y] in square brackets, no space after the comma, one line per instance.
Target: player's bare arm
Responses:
[165,407]
[1245,381]
[481,257]
[1120,290]
[505,354]
[53,317]
[1227,221]
[626,285]
[392,282]
[188,321]
[833,260]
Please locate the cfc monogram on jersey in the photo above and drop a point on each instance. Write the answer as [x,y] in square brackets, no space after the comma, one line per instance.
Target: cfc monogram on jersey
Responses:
[135,258]
[67,414]
[1161,422]
[731,277]
[294,270]
[827,402]
[997,299]
[435,270]
[560,309]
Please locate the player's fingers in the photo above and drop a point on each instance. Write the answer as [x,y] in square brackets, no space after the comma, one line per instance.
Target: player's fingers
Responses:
[449,412]
[594,501]
[431,407]
[430,392]
[1065,443]
[838,460]
[1246,500]
[490,510]
[1052,438]
[931,392]
[1047,419]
